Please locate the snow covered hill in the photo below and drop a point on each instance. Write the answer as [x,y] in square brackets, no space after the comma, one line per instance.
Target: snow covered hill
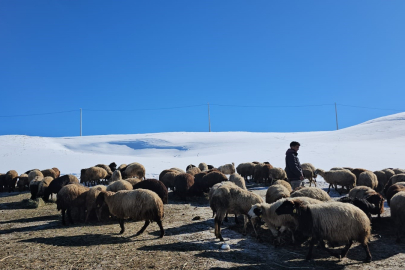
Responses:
[375,144]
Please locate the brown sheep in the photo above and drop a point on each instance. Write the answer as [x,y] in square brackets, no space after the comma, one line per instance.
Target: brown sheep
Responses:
[182,184]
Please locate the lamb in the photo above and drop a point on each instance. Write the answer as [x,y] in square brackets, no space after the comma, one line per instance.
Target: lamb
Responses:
[92,175]
[284,183]
[203,166]
[49,172]
[246,169]
[278,174]
[229,198]
[73,195]
[22,182]
[91,199]
[11,180]
[211,179]
[138,204]
[343,178]
[368,179]
[276,192]
[363,192]
[182,184]
[43,184]
[168,179]
[56,185]
[394,189]
[398,213]
[311,192]
[309,173]
[119,185]
[363,204]
[227,168]
[284,222]
[134,170]
[335,222]
[155,186]
[193,171]
[238,180]
[33,174]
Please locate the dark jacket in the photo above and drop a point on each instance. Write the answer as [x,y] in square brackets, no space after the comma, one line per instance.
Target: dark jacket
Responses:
[292,165]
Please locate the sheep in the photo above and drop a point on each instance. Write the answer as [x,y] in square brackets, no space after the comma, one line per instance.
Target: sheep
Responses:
[92,175]
[193,171]
[394,189]
[178,170]
[363,192]
[33,174]
[227,168]
[156,186]
[49,172]
[190,166]
[115,176]
[389,173]
[336,169]
[33,186]
[182,184]
[382,180]
[2,182]
[211,179]
[246,170]
[133,181]
[284,183]
[266,172]
[134,170]
[43,184]
[210,167]
[311,192]
[57,171]
[343,178]
[273,221]
[363,204]
[56,185]
[113,166]
[258,173]
[168,179]
[162,173]
[69,196]
[278,174]
[91,199]
[11,180]
[368,179]
[22,182]
[393,180]
[197,189]
[119,185]
[138,204]
[358,171]
[335,222]
[203,166]
[398,171]
[106,168]
[122,167]
[238,180]
[308,171]
[398,213]
[229,198]
[276,192]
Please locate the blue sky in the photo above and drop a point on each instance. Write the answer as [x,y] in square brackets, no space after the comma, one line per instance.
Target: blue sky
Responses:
[152,66]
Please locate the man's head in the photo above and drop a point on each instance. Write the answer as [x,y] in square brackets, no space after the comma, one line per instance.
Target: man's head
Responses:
[295,145]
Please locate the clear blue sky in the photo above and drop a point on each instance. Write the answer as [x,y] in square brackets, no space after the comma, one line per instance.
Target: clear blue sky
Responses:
[118,60]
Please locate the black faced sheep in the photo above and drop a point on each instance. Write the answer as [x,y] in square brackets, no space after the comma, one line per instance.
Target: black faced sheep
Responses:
[139,204]
[56,185]
[338,223]
[363,192]
[231,199]
[363,204]
[156,186]
[69,196]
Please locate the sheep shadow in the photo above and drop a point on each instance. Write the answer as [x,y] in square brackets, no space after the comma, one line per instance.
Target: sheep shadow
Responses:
[14,206]
[10,194]
[32,219]
[190,228]
[49,225]
[198,201]
[84,240]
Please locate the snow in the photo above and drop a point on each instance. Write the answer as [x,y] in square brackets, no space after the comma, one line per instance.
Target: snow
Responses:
[373,145]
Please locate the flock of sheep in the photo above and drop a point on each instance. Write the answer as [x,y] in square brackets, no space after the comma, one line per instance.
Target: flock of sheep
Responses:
[123,192]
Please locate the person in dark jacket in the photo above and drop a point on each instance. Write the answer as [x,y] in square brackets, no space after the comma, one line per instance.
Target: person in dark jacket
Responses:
[293,166]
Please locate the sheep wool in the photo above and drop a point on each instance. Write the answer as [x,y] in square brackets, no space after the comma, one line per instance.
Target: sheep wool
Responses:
[368,179]
[69,196]
[203,166]
[238,180]
[227,168]
[276,192]
[119,185]
[344,178]
[91,199]
[283,183]
[134,170]
[33,174]
[398,213]
[312,192]
[246,170]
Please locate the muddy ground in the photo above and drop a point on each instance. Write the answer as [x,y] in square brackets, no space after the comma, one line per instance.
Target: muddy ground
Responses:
[36,239]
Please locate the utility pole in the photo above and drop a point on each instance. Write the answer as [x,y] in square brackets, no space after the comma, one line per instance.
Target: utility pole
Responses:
[209,118]
[337,124]
[81,114]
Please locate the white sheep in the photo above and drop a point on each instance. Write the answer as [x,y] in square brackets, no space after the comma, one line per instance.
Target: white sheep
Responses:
[398,213]
[276,192]
[308,170]
[283,183]
[336,222]
[368,179]
[277,174]
[238,180]
[229,198]
[344,178]
[227,168]
[138,205]
[311,192]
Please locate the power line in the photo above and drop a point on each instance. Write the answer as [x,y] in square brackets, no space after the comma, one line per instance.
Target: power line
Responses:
[362,107]
[149,109]
[271,106]
[35,114]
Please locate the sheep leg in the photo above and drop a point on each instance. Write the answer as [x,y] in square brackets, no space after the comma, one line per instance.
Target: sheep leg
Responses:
[252,220]
[346,249]
[162,231]
[218,221]
[226,217]
[63,217]
[69,214]
[329,188]
[236,219]
[121,221]
[87,215]
[311,246]
[368,258]
[245,221]
[147,222]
